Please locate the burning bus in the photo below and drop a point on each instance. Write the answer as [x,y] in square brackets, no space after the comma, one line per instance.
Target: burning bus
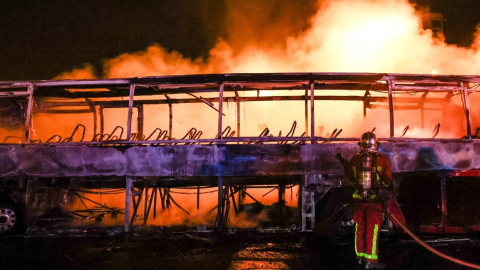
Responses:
[130,151]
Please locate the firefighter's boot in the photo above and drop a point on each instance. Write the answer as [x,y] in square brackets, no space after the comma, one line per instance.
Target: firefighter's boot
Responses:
[374,265]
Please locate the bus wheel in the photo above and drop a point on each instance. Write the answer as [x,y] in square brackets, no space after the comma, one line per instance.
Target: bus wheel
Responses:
[8,220]
[345,225]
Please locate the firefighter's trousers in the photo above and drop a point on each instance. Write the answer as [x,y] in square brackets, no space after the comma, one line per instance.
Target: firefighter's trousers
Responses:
[368,220]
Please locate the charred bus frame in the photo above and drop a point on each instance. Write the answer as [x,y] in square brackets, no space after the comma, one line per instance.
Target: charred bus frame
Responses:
[226,160]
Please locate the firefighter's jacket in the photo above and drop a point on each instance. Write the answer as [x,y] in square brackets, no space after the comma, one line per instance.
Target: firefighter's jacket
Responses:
[381,176]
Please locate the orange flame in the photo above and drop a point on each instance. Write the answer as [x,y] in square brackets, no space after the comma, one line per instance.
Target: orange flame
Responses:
[341,36]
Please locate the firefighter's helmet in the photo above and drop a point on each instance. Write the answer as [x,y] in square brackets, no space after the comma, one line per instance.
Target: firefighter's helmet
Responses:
[368,142]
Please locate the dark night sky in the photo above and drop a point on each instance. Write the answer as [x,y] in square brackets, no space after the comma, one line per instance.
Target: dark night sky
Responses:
[462,17]
[42,39]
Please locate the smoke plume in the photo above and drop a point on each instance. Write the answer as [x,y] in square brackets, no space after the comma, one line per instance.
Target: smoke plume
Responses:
[304,36]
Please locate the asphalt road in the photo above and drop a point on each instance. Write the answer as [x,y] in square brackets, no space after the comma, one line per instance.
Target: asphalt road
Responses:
[168,249]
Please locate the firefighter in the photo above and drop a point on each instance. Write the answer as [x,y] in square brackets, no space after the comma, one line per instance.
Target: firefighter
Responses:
[372,176]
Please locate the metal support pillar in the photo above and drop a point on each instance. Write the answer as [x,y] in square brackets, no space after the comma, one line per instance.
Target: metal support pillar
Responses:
[198,197]
[443,184]
[241,198]
[220,110]
[166,193]
[102,119]
[145,200]
[93,109]
[170,117]
[306,113]
[312,111]
[220,198]
[281,202]
[170,121]
[153,197]
[467,110]
[308,208]
[421,104]
[130,112]
[391,85]
[28,114]
[220,207]
[232,194]
[366,103]
[128,193]
[226,207]
[140,118]
[237,100]
[162,197]
[155,191]
[136,204]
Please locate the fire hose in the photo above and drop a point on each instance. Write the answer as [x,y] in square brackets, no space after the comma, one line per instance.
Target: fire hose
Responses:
[425,245]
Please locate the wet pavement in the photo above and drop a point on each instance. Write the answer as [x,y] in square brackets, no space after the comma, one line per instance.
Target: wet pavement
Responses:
[245,249]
